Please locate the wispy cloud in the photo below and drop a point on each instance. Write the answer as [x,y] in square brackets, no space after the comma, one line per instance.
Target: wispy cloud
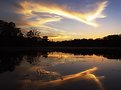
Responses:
[55,33]
[89,18]
[41,21]
[39,14]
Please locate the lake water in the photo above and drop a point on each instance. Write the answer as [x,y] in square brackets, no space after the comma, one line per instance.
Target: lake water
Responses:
[42,70]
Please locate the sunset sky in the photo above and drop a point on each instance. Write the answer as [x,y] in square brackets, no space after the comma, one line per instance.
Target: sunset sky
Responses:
[65,19]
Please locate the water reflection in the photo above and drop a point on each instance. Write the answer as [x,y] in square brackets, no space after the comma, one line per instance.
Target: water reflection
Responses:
[86,79]
[58,70]
[8,61]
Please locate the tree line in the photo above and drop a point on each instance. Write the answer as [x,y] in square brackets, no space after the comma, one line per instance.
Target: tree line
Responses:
[10,35]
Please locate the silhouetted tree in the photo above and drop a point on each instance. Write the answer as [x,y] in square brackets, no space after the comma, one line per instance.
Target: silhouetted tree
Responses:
[33,33]
[11,35]
[9,30]
[45,38]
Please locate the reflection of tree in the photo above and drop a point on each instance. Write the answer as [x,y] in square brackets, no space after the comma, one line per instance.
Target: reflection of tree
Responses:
[33,57]
[8,61]
[107,53]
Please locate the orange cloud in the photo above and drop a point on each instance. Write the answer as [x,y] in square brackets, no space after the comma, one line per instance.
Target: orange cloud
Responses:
[38,14]
[87,18]
[41,21]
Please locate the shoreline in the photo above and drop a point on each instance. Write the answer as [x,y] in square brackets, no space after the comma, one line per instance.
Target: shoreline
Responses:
[57,48]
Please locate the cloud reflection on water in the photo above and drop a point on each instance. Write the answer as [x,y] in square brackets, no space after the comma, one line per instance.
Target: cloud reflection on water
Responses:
[86,79]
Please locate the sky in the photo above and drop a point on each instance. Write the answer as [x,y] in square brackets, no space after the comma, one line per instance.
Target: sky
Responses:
[64,19]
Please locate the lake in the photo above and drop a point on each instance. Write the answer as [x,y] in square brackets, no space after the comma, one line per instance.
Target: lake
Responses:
[60,70]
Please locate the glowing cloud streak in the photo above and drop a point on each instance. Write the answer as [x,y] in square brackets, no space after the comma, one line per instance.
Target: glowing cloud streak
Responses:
[98,11]
[87,18]
[41,21]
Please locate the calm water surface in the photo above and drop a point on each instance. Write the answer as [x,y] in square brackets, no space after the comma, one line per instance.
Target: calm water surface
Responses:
[59,71]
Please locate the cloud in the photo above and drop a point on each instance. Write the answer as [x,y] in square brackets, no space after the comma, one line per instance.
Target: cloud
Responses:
[53,33]
[98,11]
[27,9]
[45,15]
[41,21]
[38,14]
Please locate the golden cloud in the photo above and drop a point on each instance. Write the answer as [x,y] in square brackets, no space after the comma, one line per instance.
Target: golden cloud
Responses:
[41,21]
[55,33]
[87,18]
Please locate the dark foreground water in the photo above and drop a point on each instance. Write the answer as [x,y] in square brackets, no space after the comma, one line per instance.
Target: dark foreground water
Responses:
[72,70]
